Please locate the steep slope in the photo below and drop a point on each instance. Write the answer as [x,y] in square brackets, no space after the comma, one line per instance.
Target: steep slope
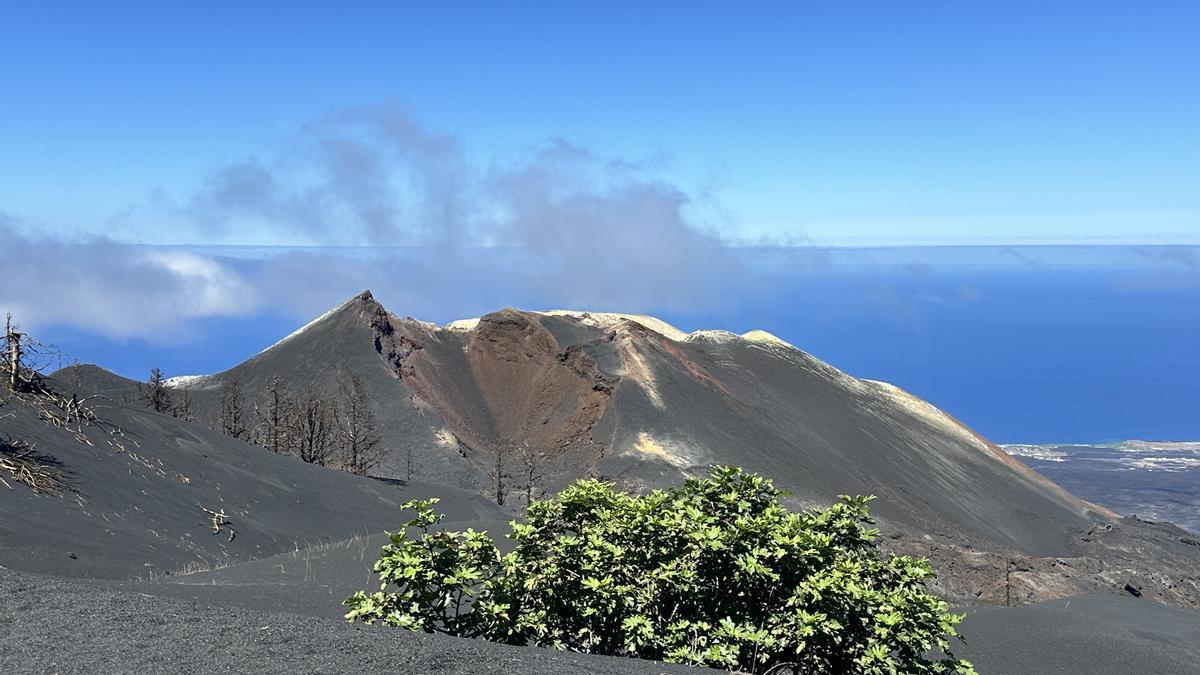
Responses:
[617,398]
[321,355]
[141,480]
[606,394]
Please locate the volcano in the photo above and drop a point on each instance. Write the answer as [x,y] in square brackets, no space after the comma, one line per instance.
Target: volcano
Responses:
[639,402]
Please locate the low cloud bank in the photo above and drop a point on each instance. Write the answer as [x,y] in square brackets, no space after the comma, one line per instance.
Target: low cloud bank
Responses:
[115,289]
[557,225]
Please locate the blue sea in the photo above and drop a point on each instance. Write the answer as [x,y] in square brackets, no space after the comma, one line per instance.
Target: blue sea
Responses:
[1062,344]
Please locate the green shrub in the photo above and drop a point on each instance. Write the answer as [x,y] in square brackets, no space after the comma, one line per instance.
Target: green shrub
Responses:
[714,573]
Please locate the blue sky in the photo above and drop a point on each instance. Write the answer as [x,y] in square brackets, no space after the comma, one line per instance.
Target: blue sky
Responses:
[852,123]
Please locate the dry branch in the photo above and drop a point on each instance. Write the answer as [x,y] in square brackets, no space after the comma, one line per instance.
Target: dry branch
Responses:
[27,466]
[26,360]
[219,520]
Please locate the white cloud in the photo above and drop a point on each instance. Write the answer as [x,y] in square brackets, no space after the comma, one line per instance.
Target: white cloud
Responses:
[114,289]
[208,288]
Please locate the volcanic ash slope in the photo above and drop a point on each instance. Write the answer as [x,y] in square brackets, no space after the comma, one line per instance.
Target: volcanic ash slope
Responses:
[637,401]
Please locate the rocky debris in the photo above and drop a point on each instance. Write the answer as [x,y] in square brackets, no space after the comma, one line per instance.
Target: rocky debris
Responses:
[1110,556]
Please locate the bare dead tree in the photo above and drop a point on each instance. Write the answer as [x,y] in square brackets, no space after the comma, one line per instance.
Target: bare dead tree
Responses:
[272,427]
[23,359]
[218,520]
[25,465]
[1008,583]
[155,394]
[312,421]
[12,341]
[184,409]
[359,446]
[231,411]
[73,377]
[497,476]
[531,474]
[408,463]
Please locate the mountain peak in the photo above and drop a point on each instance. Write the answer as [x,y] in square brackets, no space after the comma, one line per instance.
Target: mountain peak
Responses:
[362,299]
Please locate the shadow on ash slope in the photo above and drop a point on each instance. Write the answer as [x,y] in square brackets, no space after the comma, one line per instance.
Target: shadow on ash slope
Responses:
[639,402]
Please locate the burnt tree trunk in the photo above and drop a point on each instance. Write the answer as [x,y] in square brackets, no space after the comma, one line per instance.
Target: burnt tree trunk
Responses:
[13,339]
[497,476]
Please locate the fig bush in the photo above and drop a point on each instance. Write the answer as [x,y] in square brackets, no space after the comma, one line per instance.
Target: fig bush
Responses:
[715,572]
